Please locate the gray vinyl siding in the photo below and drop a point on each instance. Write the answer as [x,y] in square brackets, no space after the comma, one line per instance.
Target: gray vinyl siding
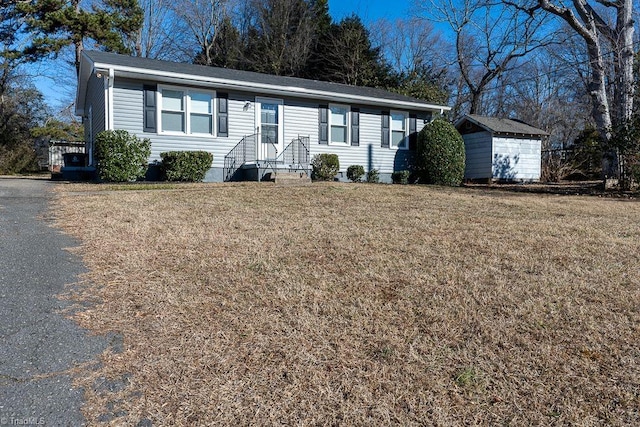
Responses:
[519,158]
[128,108]
[94,114]
[478,154]
[95,100]
[369,153]
[300,119]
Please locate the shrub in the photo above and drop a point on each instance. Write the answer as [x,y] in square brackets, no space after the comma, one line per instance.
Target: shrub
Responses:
[373,176]
[355,173]
[121,156]
[440,156]
[325,166]
[189,166]
[18,158]
[400,177]
[587,153]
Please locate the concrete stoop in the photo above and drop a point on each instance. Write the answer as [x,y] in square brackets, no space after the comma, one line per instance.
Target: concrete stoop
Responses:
[291,178]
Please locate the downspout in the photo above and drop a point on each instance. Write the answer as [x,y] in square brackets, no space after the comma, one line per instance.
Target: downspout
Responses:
[109,99]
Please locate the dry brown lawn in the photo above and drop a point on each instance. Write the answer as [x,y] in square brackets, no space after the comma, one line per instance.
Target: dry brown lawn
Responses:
[357,304]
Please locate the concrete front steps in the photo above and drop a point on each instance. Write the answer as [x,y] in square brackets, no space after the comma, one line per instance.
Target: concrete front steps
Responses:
[290,178]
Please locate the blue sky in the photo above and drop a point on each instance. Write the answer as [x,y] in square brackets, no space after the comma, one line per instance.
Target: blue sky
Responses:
[368,10]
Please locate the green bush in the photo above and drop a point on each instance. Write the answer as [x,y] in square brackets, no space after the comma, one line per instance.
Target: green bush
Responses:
[400,177]
[440,156]
[325,166]
[355,173]
[373,176]
[189,166]
[587,153]
[121,156]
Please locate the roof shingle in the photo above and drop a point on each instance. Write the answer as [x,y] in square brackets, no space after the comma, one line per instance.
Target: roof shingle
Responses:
[247,76]
[504,126]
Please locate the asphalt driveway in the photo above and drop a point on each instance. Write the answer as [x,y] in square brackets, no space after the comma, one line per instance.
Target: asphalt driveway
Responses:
[37,343]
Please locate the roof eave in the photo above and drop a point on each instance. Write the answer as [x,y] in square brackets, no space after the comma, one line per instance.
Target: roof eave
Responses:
[475,122]
[169,77]
[494,132]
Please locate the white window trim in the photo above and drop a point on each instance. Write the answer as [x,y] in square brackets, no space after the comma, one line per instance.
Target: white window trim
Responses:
[186,100]
[348,139]
[406,129]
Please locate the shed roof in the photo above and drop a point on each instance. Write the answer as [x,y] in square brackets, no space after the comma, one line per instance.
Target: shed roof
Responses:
[500,126]
[156,70]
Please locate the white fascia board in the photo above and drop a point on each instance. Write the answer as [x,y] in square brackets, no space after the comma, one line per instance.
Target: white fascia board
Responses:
[180,78]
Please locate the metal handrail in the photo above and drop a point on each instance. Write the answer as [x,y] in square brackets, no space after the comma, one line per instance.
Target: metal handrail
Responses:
[296,154]
[243,152]
[274,148]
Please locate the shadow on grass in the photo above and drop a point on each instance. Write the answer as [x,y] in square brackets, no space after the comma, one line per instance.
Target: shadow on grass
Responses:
[567,188]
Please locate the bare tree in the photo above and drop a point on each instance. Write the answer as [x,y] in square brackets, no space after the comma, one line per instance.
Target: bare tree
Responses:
[408,43]
[203,19]
[604,38]
[413,48]
[489,37]
[163,35]
[542,92]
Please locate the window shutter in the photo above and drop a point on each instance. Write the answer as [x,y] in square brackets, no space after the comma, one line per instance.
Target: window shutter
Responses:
[355,127]
[323,119]
[150,111]
[385,129]
[413,135]
[223,114]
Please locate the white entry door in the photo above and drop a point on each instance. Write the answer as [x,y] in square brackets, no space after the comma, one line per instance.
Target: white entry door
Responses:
[269,119]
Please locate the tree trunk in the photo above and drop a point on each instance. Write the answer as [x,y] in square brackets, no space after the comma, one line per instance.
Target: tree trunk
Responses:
[624,88]
[79,47]
[78,44]
[476,97]
[587,23]
[624,83]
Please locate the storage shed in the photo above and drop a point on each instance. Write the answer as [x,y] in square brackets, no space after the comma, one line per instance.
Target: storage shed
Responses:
[501,149]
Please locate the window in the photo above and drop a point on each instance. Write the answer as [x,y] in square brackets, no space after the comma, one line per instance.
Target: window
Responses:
[269,122]
[399,130]
[339,123]
[201,113]
[172,110]
[186,111]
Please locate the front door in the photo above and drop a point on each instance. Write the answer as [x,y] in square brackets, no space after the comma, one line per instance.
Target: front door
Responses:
[269,125]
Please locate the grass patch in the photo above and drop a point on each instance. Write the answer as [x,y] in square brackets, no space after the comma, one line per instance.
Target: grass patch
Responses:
[360,305]
[136,186]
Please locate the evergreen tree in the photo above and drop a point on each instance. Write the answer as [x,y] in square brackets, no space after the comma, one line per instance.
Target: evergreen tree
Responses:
[350,57]
[55,24]
[422,83]
[280,41]
[322,22]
